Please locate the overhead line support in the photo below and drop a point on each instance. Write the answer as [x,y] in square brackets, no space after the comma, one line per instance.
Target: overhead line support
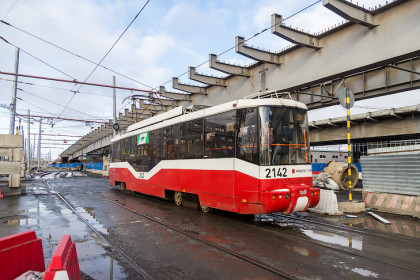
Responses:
[75,82]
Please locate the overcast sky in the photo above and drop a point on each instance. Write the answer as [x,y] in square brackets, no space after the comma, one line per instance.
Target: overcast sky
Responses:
[166,38]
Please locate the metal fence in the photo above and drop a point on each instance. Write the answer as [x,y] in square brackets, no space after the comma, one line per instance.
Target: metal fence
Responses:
[399,174]
[88,165]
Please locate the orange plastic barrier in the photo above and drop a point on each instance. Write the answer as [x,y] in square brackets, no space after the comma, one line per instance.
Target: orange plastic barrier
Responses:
[19,253]
[64,259]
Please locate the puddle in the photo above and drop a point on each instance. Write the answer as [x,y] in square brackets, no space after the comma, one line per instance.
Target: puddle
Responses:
[89,216]
[365,273]
[21,221]
[335,239]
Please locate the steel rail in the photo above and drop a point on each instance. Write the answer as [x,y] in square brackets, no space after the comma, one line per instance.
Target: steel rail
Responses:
[345,228]
[211,244]
[138,269]
[300,238]
[287,276]
[330,247]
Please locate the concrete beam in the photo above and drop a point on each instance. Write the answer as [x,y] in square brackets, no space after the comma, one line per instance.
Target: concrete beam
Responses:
[214,81]
[296,37]
[188,88]
[11,141]
[255,54]
[369,130]
[350,11]
[174,95]
[7,167]
[227,68]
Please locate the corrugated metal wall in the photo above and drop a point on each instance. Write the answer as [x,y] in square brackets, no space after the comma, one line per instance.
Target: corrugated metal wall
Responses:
[392,173]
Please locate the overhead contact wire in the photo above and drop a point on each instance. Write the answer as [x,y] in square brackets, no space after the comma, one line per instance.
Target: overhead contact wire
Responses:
[72,53]
[246,40]
[97,65]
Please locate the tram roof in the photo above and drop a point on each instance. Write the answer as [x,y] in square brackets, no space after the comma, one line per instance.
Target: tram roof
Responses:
[182,114]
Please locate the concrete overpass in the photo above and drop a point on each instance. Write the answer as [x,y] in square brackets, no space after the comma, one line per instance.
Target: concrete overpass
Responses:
[372,52]
[395,124]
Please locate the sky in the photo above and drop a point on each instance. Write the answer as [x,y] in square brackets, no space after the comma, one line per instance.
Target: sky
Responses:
[163,41]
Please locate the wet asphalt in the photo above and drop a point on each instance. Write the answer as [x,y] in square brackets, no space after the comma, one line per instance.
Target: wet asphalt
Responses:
[300,249]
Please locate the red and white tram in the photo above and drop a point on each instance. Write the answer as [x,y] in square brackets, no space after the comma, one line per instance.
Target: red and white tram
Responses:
[249,156]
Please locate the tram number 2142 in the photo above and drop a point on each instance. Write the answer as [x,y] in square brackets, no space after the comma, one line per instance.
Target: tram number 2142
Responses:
[276,172]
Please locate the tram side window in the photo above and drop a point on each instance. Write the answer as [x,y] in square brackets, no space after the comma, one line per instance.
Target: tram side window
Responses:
[146,150]
[126,148]
[220,135]
[154,148]
[247,135]
[115,152]
[191,144]
[170,142]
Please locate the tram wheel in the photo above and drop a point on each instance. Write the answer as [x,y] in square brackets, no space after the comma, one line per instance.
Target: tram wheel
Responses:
[178,198]
[205,209]
[123,186]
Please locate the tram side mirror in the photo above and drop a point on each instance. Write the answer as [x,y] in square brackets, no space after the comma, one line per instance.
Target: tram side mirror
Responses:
[287,134]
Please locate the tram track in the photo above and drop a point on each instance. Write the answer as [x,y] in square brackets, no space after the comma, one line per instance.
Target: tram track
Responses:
[261,265]
[282,274]
[132,264]
[322,244]
[344,228]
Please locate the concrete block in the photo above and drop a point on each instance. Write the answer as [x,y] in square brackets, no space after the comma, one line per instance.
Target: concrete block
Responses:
[7,167]
[6,191]
[393,203]
[352,207]
[11,141]
[14,180]
[327,203]
[4,152]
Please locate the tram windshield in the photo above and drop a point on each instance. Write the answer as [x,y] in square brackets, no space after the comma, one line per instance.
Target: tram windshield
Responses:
[283,136]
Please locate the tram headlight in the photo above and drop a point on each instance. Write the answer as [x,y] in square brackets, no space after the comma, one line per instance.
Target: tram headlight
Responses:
[286,196]
[273,197]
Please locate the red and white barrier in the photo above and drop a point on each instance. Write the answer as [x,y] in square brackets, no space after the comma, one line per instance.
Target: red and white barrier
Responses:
[19,253]
[22,254]
[64,263]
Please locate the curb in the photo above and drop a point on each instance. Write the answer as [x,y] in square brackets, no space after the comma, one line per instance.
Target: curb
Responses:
[393,203]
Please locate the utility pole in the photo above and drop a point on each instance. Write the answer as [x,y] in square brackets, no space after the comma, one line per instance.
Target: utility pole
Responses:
[114,106]
[13,105]
[29,140]
[39,145]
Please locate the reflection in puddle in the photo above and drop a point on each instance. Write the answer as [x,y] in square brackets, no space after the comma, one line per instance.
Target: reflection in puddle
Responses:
[21,221]
[365,272]
[89,216]
[334,239]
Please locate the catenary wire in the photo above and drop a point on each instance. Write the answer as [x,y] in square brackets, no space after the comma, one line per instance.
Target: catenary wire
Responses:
[34,57]
[57,88]
[57,103]
[8,11]
[246,40]
[74,54]
[97,65]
